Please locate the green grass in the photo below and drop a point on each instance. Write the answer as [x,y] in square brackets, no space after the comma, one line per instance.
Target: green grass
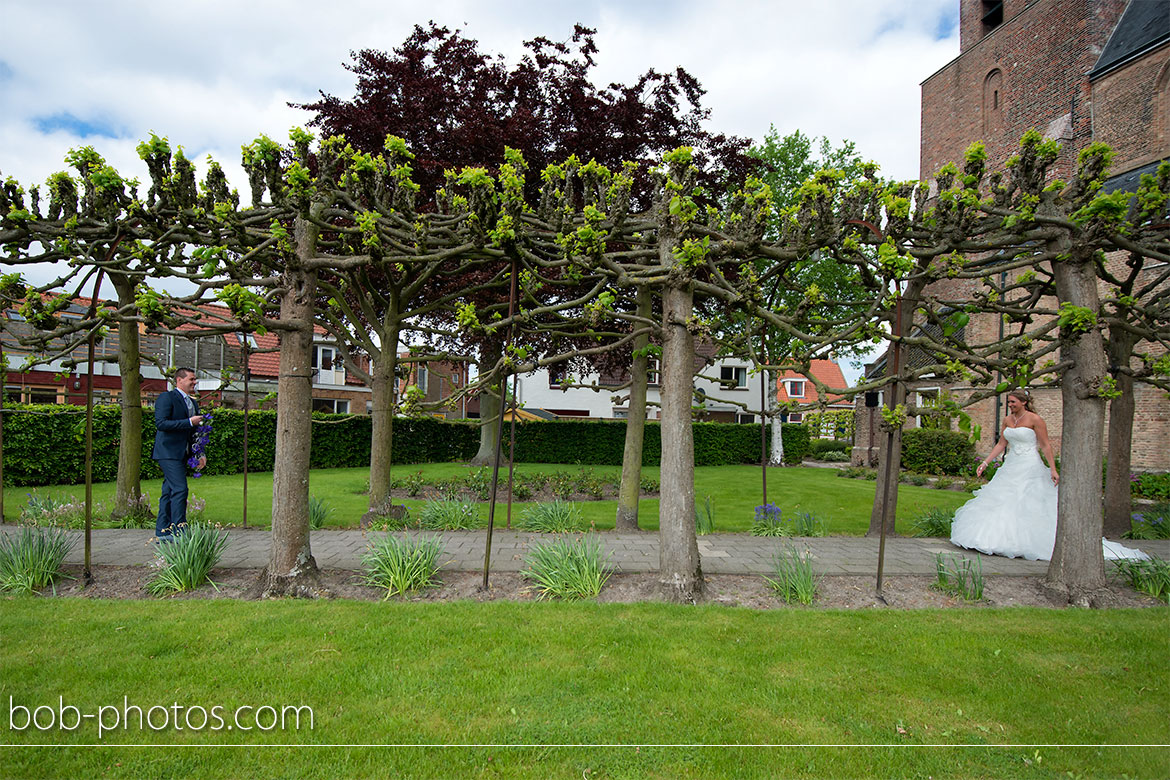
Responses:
[553,674]
[843,504]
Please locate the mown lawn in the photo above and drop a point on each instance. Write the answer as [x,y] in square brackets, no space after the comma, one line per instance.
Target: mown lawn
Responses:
[843,504]
[535,676]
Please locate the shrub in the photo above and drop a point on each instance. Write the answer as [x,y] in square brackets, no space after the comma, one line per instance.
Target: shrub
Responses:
[704,518]
[649,485]
[1151,523]
[401,564]
[319,512]
[914,479]
[186,560]
[1151,486]
[552,517]
[943,483]
[449,515]
[933,522]
[1150,576]
[933,451]
[818,447]
[959,575]
[31,558]
[835,457]
[568,570]
[795,580]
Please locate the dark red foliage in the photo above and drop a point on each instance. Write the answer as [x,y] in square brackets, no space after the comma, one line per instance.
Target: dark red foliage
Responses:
[456,107]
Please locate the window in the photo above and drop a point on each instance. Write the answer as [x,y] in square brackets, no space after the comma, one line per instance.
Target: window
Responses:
[795,417]
[736,376]
[794,388]
[330,405]
[653,372]
[556,376]
[422,379]
[745,419]
[30,395]
[326,368]
[246,338]
[992,15]
[993,102]
[621,414]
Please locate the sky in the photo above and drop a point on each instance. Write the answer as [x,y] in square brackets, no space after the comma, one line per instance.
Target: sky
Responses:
[213,75]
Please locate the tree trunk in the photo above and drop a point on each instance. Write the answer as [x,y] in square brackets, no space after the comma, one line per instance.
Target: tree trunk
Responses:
[631,488]
[490,405]
[129,487]
[1077,570]
[291,569]
[776,457]
[382,421]
[889,452]
[1118,503]
[682,578]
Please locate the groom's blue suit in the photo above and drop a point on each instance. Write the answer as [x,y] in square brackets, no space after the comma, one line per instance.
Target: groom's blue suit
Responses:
[172,446]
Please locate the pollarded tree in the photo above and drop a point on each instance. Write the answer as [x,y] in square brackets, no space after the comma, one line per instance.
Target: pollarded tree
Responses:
[95,222]
[460,109]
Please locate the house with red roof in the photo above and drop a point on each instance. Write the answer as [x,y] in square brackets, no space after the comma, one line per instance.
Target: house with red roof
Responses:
[216,358]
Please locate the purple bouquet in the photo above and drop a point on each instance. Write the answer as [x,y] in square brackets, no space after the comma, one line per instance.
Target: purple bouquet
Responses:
[199,445]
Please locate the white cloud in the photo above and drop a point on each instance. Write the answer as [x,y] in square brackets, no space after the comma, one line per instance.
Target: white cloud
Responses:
[212,75]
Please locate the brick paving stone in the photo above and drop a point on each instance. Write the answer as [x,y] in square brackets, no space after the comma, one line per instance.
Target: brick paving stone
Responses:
[464,551]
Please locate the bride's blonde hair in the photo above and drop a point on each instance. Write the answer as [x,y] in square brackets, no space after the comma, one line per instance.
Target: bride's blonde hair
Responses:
[1024,397]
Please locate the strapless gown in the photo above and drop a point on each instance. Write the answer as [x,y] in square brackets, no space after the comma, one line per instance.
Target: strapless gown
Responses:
[1014,514]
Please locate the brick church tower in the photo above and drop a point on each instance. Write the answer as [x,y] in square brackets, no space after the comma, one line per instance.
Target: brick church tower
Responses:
[1078,71]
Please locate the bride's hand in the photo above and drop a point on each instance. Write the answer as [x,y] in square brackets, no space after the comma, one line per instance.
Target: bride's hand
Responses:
[1055,478]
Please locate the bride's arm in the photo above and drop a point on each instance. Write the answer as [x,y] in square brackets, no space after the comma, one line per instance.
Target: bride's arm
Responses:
[1045,445]
[996,451]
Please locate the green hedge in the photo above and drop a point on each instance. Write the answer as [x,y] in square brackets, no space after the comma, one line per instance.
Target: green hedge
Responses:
[602,443]
[45,445]
[933,451]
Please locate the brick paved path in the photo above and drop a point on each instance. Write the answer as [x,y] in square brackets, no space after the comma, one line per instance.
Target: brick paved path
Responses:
[464,551]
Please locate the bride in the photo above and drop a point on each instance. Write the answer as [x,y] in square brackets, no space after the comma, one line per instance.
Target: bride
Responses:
[1015,513]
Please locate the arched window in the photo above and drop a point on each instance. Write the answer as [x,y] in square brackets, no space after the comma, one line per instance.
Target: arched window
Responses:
[993,102]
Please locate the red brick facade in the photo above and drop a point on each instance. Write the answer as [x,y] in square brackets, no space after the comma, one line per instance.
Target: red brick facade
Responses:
[1039,63]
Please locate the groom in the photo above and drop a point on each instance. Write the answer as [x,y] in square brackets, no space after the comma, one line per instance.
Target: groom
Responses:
[176,416]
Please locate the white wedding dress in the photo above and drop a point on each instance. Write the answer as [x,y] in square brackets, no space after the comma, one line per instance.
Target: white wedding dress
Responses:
[1014,514]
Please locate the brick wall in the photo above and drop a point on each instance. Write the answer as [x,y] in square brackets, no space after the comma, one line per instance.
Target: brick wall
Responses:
[1041,53]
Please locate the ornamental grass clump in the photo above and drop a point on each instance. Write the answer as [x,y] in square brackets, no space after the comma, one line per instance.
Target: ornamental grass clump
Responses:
[1150,576]
[568,570]
[959,575]
[185,561]
[935,521]
[552,517]
[319,512]
[448,514]
[403,564]
[31,558]
[795,580]
[705,518]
